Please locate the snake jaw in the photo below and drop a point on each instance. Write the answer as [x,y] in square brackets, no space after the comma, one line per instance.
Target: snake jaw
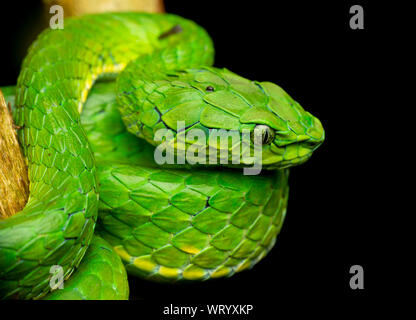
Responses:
[289,149]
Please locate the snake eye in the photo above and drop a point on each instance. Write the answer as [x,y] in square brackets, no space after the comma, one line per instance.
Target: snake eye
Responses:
[267,134]
[210,89]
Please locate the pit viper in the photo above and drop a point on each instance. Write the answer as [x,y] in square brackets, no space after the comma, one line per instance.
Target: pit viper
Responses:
[94,181]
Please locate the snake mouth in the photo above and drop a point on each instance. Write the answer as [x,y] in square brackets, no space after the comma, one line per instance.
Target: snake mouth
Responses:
[294,162]
[287,163]
[291,154]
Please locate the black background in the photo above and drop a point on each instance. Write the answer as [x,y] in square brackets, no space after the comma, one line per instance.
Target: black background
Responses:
[333,221]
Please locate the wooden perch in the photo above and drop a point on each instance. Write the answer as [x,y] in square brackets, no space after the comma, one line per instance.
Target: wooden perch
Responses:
[79,7]
[14,182]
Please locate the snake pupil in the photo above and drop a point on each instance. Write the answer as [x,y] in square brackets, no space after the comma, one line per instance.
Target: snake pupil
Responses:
[267,134]
[265,137]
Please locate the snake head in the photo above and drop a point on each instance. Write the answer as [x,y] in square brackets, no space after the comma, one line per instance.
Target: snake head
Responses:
[289,134]
[211,99]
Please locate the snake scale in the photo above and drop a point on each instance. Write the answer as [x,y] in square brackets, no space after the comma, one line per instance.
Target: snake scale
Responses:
[94,185]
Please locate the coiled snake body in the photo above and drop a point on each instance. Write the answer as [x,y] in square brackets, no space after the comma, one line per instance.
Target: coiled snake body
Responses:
[166,222]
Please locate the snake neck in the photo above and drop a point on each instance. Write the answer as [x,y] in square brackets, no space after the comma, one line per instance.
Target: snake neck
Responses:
[142,85]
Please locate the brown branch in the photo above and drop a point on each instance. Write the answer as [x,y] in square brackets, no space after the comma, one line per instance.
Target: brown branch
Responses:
[14,182]
[79,7]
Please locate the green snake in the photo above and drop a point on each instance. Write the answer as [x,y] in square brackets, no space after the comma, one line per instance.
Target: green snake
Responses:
[94,185]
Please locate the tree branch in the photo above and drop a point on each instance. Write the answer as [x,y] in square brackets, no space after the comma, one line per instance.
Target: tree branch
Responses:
[14,182]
